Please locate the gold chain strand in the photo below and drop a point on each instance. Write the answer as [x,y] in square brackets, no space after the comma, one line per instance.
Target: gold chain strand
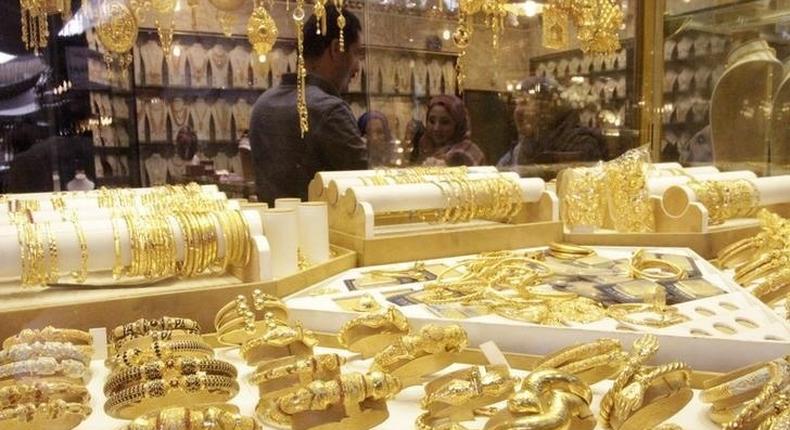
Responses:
[301,71]
[82,274]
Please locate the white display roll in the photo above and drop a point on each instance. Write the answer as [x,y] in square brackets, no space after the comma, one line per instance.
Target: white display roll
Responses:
[669,165]
[287,203]
[700,170]
[314,231]
[659,184]
[771,190]
[281,229]
[324,178]
[11,263]
[338,186]
[409,197]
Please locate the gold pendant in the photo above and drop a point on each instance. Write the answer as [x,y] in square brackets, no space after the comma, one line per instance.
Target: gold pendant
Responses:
[225,15]
[261,30]
[341,24]
[166,37]
[117,32]
[319,10]
[34,25]
[555,28]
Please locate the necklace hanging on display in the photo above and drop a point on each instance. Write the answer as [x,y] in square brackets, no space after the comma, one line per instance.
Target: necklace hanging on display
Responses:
[261,30]
[117,32]
[35,28]
[225,14]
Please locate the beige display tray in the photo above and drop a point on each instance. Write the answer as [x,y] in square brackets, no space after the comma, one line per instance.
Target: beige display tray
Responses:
[423,245]
[198,299]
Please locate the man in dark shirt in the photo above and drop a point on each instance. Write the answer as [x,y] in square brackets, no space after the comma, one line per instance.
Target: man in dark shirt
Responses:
[285,162]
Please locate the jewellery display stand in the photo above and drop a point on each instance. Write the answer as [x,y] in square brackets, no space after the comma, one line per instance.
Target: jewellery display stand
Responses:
[719,329]
[381,223]
[686,222]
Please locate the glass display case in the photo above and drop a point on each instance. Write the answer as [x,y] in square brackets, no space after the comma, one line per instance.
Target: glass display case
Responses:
[575,214]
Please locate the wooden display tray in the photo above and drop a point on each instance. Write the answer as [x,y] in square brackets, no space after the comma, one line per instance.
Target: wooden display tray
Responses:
[198,299]
[404,237]
[688,230]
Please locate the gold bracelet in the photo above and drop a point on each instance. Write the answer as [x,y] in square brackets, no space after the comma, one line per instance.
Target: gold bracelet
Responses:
[547,400]
[304,369]
[49,334]
[143,326]
[457,395]
[763,266]
[154,395]
[565,251]
[668,271]
[55,414]
[590,362]
[774,287]
[753,412]
[742,384]
[279,341]
[667,315]
[81,275]
[42,392]
[171,368]
[147,341]
[56,350]
[368,334]
[53,271]
[207,418]
[414,356]
[349,388]
[70,371]
[160,350]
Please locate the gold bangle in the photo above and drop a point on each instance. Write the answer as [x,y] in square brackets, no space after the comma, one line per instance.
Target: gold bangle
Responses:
[668,271]
[154,395]
[282,371]
[590,362]
[55,414]
[368,334]
[171,368]
[414,356]
[667,315]
[49,334]
[147,341]
[456,395]
[745,380]
[349,389]
[81,275]
[53,271]
[752,412]
[774,287]
[56,350]
[223,417]
[279,341]
[566,251]
[160,350]
[42,392]
[764,265]
[547,400]
[143,326]
[70,371]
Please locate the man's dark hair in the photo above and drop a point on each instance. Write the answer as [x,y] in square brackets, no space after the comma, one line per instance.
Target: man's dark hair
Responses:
[315,44]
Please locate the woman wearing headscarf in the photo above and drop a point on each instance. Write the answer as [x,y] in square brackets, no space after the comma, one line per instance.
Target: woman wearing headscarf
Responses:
[446,140]
[549,129]
[375,129]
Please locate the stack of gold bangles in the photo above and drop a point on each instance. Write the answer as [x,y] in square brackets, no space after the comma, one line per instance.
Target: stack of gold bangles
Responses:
[726,199]
[237,321]
[161,363]
[43,377]
[750,397]
[497,198]
[565,251]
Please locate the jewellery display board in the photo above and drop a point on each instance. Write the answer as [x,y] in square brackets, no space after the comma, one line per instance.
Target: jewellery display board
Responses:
[715,331]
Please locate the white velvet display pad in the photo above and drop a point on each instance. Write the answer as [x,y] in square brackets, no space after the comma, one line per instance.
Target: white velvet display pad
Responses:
[403,409]
[699,342]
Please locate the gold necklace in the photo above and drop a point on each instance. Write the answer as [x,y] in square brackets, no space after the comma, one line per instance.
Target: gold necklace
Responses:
[180,115]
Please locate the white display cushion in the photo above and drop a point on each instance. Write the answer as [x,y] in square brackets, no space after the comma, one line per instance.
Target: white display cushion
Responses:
[759,334]
[403,409]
